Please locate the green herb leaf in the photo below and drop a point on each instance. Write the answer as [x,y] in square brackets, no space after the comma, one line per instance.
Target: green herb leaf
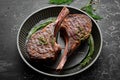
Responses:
[91,51]
[91,44]
[58,2]
[96,17]
[36,28]
[90,10]
[43,41]
[86,61]
[53,41]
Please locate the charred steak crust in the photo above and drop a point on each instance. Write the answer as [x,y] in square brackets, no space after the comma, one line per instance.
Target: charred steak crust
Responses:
[78,27]
[42,44]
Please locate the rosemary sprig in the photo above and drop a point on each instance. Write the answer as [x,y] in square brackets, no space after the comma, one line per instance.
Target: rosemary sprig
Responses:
[90,53]
[36,28]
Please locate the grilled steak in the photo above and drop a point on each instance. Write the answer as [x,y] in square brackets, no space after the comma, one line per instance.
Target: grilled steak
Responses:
[42,44]
[78,27]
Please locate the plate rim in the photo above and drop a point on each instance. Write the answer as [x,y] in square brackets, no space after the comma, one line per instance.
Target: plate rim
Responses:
[59,75]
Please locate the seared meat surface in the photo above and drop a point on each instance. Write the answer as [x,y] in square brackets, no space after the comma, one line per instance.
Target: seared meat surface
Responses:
[78,27]
[42,44]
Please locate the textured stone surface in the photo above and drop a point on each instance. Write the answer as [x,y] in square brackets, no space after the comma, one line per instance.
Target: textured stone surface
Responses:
[12,14]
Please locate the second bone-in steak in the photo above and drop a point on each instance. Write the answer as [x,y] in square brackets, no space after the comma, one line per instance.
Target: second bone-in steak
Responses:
[78,27]
[42,44]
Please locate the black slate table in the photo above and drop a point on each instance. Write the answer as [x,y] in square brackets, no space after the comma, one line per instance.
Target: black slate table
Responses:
[12,14]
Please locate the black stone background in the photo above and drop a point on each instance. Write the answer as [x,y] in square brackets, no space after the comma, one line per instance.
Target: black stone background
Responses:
[12,67]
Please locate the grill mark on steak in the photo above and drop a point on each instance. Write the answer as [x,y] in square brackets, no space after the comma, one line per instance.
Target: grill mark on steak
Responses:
[41,45]
[70,24]
[80,23]
[76,27]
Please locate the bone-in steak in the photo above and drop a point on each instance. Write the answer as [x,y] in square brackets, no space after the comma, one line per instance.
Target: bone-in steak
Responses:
[78,27]
[42,44]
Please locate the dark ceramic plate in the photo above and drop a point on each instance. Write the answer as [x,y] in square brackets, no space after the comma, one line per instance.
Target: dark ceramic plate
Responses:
[72,65]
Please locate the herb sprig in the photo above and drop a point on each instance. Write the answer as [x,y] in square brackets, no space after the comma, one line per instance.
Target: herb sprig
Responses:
[43,41]
[58,2]
[36,28]
[91,11]
[90,53]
